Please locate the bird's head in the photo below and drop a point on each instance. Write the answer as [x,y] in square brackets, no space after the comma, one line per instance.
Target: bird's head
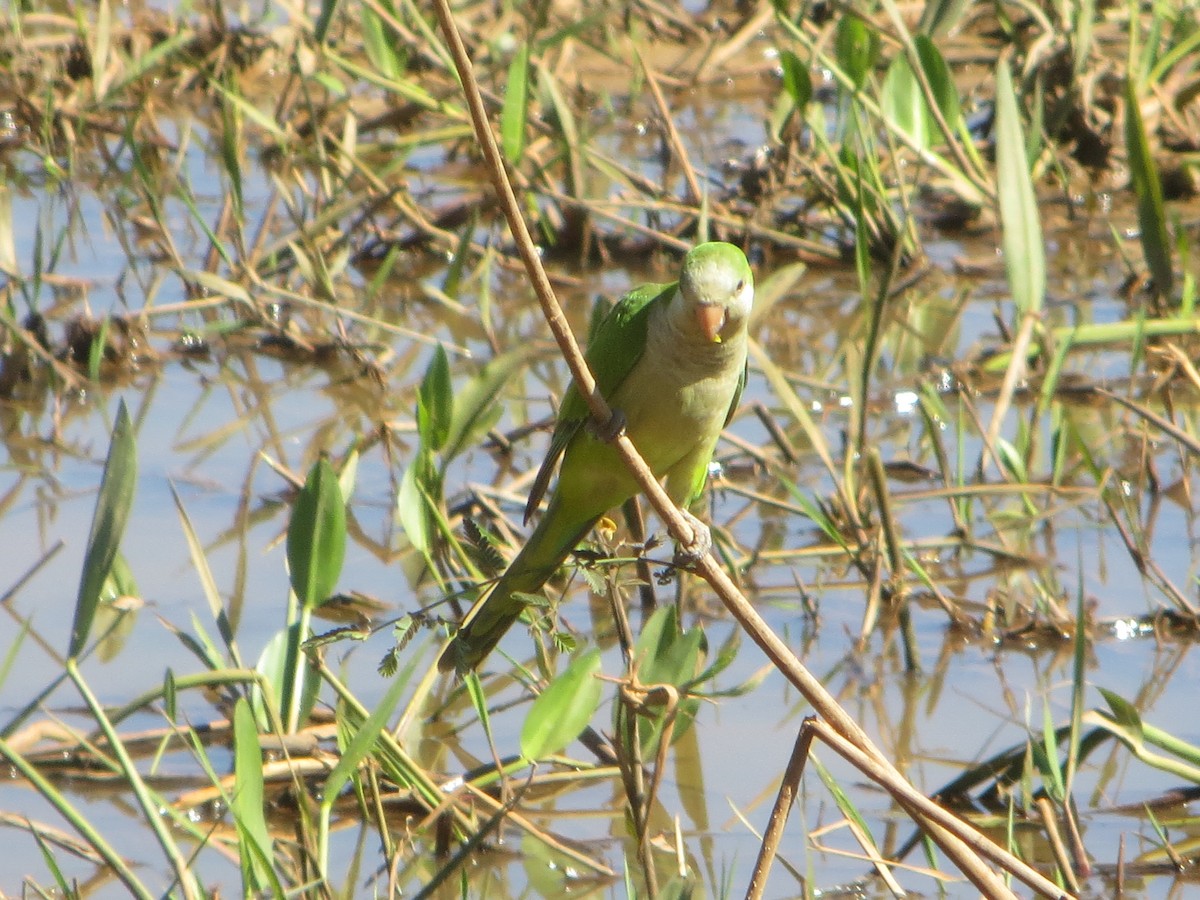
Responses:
[717,289]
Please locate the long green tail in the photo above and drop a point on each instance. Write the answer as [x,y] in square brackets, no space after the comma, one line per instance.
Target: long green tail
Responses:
[551,542]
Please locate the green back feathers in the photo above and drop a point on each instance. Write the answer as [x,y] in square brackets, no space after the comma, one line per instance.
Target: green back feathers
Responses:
[612,353]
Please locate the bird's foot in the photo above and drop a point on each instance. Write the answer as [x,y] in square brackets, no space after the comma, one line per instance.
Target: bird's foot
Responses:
[687,555]
[610,430]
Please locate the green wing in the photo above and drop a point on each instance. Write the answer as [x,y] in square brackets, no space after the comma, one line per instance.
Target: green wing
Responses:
[737,395]
[612,353]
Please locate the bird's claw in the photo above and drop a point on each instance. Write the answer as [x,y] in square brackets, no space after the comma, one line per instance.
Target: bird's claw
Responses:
[687,555]
[610,430]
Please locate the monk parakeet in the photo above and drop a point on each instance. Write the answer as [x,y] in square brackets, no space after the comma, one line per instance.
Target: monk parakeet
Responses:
[670,359]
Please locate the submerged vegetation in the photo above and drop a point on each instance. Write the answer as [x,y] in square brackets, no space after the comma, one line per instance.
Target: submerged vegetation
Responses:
[969,424]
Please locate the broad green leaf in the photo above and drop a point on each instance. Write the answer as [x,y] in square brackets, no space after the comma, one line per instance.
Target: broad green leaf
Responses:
[292,683]
[108,525]
[316,538]
[232,144]
[1021,227]
[115,615]
[435,402]
[903,103]
[1152,217]
[348,476]
[796,80]
[452,283]
[1009,457]
[666,656]
[563,709]
[516,101]
[97,347]
[856,46]
[247,803]
[937,73]
[474,688]
[410,505]
[170,696]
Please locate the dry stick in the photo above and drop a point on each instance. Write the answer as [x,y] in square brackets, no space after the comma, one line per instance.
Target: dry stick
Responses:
[1014,374]
[779,813]
[929,814]
[1160,422]
[672,132]
[1059,849]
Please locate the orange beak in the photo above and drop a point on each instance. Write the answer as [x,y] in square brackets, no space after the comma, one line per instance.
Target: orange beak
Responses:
[711,319]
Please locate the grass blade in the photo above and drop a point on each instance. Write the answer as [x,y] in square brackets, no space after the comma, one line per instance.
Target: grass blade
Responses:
[1021,228]
[1152,220]
[108,525]
[516,101]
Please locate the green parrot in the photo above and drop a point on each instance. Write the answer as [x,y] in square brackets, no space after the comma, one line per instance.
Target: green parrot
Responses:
[670,360]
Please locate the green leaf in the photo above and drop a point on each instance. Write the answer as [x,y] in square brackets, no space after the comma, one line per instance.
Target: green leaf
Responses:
[321,28]
[856,46]
[1009,457]
[516,101]
[475,409]
[1021,227]
[940,16]
[903,104]
[1052,774]
[108,525]
[316,538]
[383,48]
[667,656]
[435,402]
[292,682]
[796,80]
[937,73]
[247,803]
[845,805]
[452,283]
[411,508]
[564,709]
[1126,715]
[1152,217]
[664,654]
[479,701]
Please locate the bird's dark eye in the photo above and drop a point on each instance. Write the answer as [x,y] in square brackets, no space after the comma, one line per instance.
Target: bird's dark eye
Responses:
[741,284]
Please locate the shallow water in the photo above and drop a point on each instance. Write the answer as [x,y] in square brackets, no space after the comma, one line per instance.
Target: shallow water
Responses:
[204,426]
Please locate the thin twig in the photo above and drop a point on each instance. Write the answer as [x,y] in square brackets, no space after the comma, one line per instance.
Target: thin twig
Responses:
[784,801]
